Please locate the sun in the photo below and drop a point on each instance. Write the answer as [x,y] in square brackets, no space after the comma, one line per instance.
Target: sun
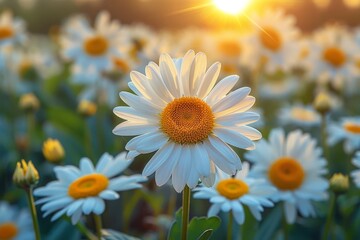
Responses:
[231,6]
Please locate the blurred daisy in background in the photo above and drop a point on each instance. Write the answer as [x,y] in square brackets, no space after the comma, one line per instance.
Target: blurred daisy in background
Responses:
[278,86]
[15,224]
[231,193]
[347,130]
[355,174]
[83,190]
[92,47]
[180,113]
[294,166]
[332,57]
[299,115]
[274,41]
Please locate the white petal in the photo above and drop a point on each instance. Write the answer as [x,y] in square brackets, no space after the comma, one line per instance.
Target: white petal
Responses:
[86,166]
[158,159]
[221,89]
[234,138]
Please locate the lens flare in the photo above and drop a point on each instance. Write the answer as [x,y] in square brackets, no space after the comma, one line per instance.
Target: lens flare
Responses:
[231,6]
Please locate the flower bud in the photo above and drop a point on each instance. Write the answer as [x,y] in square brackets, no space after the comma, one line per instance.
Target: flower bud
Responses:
[53,150]
[322,103]
[29,102]
[339,183]
[87,108]
[25,175]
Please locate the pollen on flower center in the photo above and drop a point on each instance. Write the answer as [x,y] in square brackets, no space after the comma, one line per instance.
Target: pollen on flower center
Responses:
[8,231]
[230,48]
[5,32]
[303,114]
[335,56]
[96,45]
[88,186]
[187,120]
[352,128]
[270,38]
[286,173]
[232,188]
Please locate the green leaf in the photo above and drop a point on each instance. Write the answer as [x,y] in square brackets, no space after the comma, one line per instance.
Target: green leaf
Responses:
[198,228]
[109,234]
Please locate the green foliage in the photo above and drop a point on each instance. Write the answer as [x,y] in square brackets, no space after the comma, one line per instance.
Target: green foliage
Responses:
[200,228]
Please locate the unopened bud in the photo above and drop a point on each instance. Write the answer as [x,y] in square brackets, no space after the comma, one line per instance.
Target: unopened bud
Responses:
[25,175]
[87,108]
[29,102]
[53,150]
[339,183]
[322,103]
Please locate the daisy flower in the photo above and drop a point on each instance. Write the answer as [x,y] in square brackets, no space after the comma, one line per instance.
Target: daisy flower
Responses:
[179,112]
[348,129]
[300,115]
[274,41]
[15,224]
[332,57]
[230,194]
[92,47]
[277,86]
[11,30]
[356,173]
[83,190]
[294,166]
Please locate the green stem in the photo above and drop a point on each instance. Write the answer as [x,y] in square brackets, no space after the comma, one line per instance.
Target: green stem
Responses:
[329,218]
[81,227]
[230,225]
[185,213]
[31,203]
[324,139]
[98,225]
[285,226]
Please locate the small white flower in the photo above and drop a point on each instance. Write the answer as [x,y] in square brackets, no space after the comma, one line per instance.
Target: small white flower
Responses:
[300,115]
[348,129]
[15,224]
[83,191]
[230,194]
[294,166]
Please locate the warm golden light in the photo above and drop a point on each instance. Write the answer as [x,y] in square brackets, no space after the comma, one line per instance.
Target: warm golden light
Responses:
[231,6]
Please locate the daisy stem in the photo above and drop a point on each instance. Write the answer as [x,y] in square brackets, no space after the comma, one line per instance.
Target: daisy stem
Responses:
[85,231]
[98,225]
[31,203]
[285,226]
[185,213]
[229,228]
[329,217]
[323,137]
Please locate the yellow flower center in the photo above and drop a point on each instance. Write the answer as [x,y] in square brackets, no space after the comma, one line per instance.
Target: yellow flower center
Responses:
[229,69]
[121,64]
[335,56]
[271,38]
[230,48]
[88,186]
[96,46]
[5,32]
[187,120]
[303,114]
[8,231]
[232,188]
[352,128]
[286,173]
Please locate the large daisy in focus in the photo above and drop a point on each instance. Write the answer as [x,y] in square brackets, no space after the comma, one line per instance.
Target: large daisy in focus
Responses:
[348,129]
[83,191]
[231,193]
[294,166]
[15,224]
[92,47]
[179,112]
[274,41]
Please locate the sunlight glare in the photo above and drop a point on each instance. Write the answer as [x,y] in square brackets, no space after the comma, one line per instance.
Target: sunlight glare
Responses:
[231,6]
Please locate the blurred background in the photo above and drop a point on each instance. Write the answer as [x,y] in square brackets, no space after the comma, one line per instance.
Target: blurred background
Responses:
[42,15]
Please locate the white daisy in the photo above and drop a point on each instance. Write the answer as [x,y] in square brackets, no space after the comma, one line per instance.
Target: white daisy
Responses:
[179,112]
[300,115]
[356,173]
[84,190]
[294,166]
[92,47]
[348,129]
[15,224]
[277,86]
[274,41]
[230,194]
[11,30]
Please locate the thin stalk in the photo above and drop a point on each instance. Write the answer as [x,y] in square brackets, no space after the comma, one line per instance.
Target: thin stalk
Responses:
[185,213]
[324,139]
[98,225]
[229,227]
[89,235]
[285,226]
[330,215]
[32,208]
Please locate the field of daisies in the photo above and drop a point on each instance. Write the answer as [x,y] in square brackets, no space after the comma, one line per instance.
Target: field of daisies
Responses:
[122,132]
